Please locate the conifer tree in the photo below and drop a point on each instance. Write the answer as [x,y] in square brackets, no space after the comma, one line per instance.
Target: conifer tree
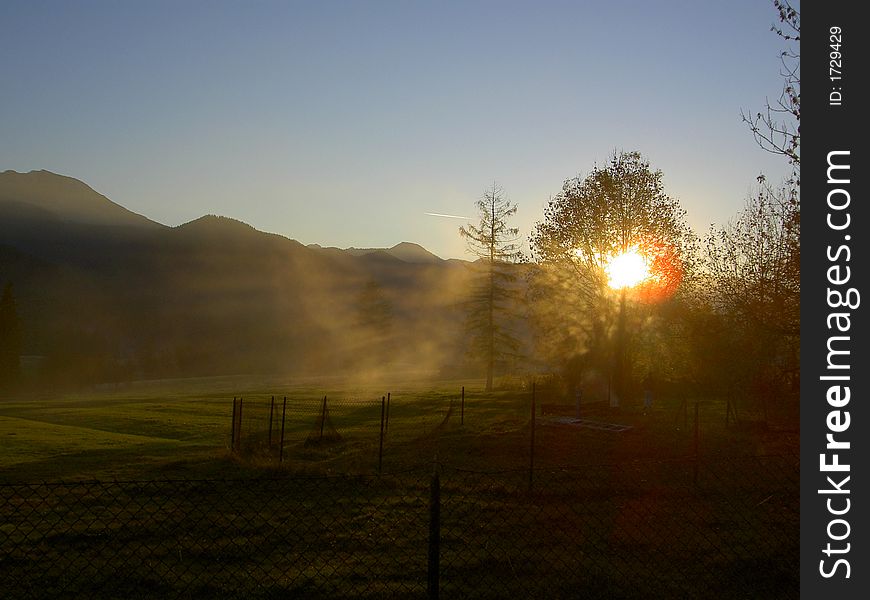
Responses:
[494,242]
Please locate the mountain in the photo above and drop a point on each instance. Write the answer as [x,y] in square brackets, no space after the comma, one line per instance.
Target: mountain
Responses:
[106,294]
[62,198]
[407,252]
[413,253]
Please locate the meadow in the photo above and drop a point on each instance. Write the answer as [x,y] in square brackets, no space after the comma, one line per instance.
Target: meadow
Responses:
[183,427]
[147,499]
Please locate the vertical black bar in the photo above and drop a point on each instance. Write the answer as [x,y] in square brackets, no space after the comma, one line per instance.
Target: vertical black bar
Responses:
[322,417]
[283,418]
[239,436]
[271,412]
[233,428]
[695,444]
[381,443]
[433,572]
[532,443]
[387,420]
[462,408]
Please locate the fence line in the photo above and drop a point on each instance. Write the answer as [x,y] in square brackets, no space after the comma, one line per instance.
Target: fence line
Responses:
[611,530]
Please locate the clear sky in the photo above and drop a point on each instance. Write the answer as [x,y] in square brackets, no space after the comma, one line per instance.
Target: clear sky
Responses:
[343,123]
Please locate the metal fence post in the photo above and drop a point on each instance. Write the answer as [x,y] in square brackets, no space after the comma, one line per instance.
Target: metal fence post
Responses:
[381,442]
[322,417]
[433,572]
[695,444]
[387,420]
[239,435]
[233,429]
[532,443]
[271,413]
[283,418]
[462,408]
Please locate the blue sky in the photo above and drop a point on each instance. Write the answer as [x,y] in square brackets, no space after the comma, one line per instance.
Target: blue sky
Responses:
[343,123]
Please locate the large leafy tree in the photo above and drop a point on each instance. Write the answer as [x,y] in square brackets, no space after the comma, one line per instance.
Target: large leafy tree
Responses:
[619,206]
[494,296]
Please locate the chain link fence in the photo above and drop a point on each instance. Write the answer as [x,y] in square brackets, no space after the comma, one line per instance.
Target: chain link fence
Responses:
[641,530]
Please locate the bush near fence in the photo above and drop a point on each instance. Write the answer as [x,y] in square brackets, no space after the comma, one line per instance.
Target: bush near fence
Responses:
[623,530]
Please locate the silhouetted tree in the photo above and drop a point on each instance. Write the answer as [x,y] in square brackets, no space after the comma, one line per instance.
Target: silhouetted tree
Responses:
[10,339]
[777,128]
[494,242]
[754,262]
[619,206]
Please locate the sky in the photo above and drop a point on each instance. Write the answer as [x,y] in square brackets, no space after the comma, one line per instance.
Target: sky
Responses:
[343,123]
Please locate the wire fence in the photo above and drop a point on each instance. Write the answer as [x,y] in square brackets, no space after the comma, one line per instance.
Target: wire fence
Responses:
[273,427]
[624,530]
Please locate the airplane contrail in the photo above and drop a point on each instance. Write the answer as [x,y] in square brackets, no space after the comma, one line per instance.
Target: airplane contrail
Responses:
[445,216]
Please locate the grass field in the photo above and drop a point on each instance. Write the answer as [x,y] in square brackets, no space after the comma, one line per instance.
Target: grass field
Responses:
[182,427]
[156,505]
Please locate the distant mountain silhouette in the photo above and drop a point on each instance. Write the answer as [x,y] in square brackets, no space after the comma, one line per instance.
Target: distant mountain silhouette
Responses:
[106,294]
[408,252]
[64,198]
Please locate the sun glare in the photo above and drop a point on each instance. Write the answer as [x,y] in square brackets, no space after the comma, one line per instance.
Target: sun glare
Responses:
[627,269]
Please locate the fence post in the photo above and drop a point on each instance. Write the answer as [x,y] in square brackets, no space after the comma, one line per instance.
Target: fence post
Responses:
[271,412]
[283,417]
[322,418]
[462,408]
[233,429]
[433,572]
[532,444]
[387,420]
[381,443]
[695,445]
[239,436]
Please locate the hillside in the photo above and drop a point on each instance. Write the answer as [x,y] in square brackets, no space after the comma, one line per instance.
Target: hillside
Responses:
[62,198]
[106,294]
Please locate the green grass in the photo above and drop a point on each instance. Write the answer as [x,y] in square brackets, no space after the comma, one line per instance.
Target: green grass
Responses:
[611,513]
[182,428]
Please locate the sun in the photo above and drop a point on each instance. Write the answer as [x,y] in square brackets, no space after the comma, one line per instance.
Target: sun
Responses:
[627,269]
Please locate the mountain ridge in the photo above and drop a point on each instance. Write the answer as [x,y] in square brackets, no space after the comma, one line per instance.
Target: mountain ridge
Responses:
[41,195]
[109,295]
[67,198]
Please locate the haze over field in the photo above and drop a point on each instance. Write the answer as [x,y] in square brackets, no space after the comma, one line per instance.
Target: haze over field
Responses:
[223,188]
[108,294]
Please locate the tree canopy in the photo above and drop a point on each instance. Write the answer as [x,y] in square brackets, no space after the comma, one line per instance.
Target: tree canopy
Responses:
[618,207]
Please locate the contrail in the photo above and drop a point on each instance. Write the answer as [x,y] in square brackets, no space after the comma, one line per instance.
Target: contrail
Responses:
[445,216]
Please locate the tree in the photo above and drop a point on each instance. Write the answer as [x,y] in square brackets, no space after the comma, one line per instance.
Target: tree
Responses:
[754,263]
[495,245]
[777,128]
[10,339]
[617,207]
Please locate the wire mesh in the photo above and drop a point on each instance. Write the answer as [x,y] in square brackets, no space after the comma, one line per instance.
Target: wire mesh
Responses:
[642,529]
